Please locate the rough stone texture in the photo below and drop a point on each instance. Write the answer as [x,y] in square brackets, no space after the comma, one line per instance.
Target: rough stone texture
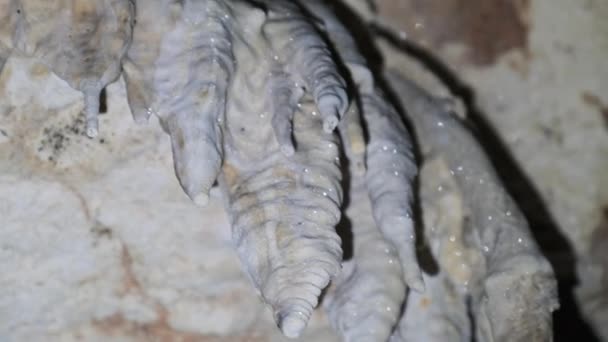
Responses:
[124,254]
[97,239]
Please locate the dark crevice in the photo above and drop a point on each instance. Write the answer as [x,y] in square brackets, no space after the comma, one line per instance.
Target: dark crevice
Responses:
[344,228]
[103,102]
[471,315]
[424,255]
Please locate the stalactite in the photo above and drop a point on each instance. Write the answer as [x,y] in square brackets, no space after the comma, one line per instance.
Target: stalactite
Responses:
[391,167]
[365,300]
[512,285]
[284,212]
[179,67]
[299,46]
[83,44]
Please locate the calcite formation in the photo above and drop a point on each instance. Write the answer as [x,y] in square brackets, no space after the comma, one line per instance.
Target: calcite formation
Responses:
[251,94]
[81,41]
[477,234]
[178,67]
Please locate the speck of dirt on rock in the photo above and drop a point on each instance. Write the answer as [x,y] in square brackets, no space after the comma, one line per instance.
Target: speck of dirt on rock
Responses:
[57,138]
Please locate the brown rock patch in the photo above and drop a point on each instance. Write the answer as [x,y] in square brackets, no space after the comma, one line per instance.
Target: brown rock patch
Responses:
[488,28]
[595,102]
[160,331]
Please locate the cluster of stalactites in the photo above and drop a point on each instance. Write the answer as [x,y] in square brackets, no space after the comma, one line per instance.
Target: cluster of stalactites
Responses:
[251,94]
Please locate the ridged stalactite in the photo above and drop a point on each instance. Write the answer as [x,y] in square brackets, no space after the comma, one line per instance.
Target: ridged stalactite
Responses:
[391,167]
[512,286]
[282,180]
[179,67]
[343,43]
[364,303]
[284,211]
[298,45]
[81,41]
[390,176]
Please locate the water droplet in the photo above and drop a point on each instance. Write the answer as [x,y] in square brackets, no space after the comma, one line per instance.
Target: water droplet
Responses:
[459,168]
[384,148]
[440,124]
[480,181]
[486,249]
[396,173]
[440,188]
[394,151]
[388,308]
[324,193]
[452,238]
[314,113]
[520,240]
[306,170]
[508,213]
[489,218]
